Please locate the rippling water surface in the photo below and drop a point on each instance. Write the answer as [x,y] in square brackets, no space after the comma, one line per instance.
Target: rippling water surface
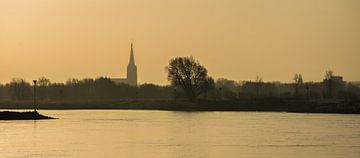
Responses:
[163,134]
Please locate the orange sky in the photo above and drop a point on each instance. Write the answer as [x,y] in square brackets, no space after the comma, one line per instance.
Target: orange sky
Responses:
[235,39]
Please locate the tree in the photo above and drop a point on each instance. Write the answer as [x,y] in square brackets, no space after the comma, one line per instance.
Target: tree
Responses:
[226,83]
[329,74]
[328,81]
[298,81]
[105,88]
[209,85]
[228,88]
[258,82]
[43,83]
[19,89]
[192,77]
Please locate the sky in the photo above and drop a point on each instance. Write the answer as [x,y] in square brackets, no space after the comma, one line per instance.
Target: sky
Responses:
[234,39]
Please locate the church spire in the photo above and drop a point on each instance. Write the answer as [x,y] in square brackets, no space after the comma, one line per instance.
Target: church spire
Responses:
[132,60]
[132,69]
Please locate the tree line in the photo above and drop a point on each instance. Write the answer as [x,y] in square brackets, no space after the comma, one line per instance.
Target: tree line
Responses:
[188,80]
[192,77]
[102,88]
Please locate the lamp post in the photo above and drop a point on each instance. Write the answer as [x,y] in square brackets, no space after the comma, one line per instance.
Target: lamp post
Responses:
[35,94]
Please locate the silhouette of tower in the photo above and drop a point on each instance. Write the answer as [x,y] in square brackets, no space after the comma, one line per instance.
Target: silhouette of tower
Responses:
[132,69]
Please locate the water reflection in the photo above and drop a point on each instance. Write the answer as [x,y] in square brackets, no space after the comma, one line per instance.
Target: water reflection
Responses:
[116,133]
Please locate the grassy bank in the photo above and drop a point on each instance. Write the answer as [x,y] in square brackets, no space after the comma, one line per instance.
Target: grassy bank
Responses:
[279,105]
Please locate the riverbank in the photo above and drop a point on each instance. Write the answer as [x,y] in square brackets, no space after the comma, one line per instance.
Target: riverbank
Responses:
[31,115]
[266,105]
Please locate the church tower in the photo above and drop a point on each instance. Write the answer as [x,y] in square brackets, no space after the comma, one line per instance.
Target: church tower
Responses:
[132,69]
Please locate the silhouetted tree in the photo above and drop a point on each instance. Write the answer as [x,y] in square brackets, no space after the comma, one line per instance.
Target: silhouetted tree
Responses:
[298,81]
[258,82]
[151,91]
[229,84]
[187,73]
[57,91]
[19,89]
[105,88]
[4,92]
[43,81]
[329,74]
[353,91]
[228,88]
[42,90]
[208,86]
[329,83]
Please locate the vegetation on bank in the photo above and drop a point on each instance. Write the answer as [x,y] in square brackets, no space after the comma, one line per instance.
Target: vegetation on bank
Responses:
[270,105]
[191,88]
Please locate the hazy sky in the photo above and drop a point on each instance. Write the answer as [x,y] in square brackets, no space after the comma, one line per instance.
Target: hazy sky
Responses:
[235,39]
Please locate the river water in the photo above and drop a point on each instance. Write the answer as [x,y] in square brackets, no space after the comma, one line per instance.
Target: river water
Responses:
[164,134]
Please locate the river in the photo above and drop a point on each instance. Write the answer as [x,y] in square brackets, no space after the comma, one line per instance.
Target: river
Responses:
[165,134]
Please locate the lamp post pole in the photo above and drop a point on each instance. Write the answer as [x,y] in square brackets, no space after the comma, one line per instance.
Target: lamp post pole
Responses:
[34,95]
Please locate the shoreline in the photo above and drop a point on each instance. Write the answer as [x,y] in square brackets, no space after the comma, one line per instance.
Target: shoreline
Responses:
[28,115]
[261,105]
[169,110]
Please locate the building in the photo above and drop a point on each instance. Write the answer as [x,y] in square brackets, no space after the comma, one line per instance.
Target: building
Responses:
[131,77]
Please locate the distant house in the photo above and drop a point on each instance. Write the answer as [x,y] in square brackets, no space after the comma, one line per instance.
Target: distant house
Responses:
[131,77]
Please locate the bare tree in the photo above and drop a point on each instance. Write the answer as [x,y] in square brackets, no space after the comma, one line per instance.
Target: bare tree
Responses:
[328,81]
[192,77]
[298,81]
[258,82]
[19,89]
[43,83]
[329,74]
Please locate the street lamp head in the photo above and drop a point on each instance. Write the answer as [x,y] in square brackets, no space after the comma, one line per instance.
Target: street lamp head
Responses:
[34,81]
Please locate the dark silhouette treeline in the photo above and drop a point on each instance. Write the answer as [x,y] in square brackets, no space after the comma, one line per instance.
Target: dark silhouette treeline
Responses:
[190,89]
[103,88]
[192,78]
[328,89]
